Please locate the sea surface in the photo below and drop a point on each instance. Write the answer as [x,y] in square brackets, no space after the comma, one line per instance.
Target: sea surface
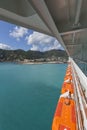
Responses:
[29,95]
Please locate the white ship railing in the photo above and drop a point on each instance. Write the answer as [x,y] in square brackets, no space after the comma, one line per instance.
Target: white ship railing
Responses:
[81,81]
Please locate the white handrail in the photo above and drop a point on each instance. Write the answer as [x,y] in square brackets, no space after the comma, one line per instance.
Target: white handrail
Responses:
[83,80]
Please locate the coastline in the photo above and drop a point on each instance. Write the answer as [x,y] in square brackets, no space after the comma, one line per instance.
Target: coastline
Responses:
[35,62]
[51,62]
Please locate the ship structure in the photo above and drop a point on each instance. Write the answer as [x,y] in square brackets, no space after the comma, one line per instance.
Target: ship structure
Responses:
[66,20]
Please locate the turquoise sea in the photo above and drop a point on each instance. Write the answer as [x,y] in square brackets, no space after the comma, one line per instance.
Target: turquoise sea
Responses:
[29,95]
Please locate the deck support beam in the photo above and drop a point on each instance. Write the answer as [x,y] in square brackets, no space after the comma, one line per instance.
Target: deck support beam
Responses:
[78,11]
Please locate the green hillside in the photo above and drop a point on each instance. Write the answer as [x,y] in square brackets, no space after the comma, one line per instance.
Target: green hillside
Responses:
[21,55]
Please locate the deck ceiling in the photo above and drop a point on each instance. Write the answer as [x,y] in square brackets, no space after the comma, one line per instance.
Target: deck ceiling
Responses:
[64,19]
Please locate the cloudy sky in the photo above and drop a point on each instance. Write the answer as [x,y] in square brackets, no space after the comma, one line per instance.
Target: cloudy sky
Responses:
[16,37]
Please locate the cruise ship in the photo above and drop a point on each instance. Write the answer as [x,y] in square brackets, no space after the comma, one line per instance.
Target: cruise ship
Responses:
[66,20]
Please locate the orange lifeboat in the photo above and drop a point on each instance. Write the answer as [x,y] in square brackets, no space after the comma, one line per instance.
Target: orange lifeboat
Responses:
[68,77]
[67,87]
[65,115]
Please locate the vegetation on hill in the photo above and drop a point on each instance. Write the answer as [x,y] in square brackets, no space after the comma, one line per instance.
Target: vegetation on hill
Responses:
[21,55]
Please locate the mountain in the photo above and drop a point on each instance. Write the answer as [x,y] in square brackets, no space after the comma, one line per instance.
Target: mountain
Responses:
[56,53]
[21,55]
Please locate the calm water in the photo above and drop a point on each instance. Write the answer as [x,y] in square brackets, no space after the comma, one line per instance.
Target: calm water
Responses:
[28,95]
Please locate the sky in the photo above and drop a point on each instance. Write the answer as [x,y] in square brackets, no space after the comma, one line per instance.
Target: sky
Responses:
[14,37]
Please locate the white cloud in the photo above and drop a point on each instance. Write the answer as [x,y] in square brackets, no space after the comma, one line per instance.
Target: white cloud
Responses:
[42,42]
[5,47]
[18,32]
[34,48]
